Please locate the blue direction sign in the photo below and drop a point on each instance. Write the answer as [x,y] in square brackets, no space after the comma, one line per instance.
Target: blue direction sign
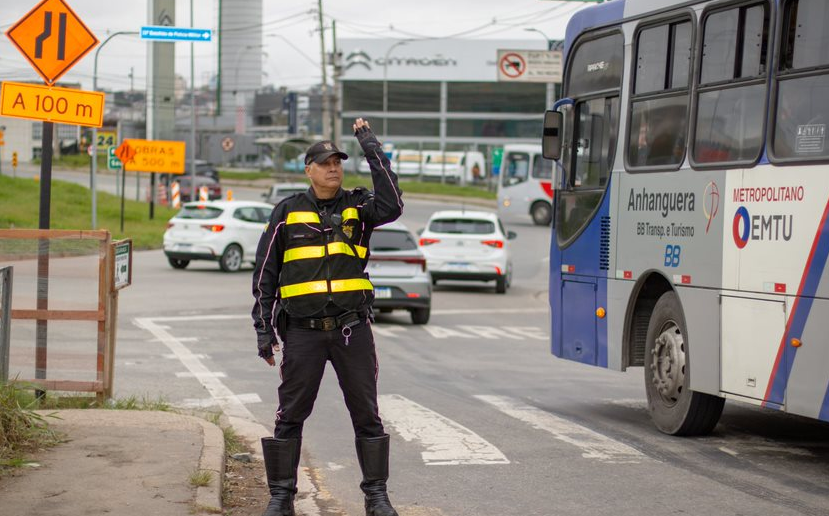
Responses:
[164,33]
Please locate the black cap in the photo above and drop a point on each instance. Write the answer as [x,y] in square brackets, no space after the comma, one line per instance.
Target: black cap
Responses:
[321,151]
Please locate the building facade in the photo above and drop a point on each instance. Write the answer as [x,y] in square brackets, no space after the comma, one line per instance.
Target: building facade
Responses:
[438,94]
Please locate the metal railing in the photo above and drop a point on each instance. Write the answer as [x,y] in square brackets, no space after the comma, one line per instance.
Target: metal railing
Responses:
[6,277]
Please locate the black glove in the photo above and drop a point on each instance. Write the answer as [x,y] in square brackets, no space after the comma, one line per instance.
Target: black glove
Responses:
[366,138]
[265,345]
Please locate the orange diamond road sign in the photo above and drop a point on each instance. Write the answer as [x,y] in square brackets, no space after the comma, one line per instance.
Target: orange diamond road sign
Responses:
[154,156]
[124,152]
[52,38]
[52,104]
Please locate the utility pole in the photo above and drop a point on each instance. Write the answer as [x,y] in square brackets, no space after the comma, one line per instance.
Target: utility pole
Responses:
[335,98]
[326,118]
[192,116]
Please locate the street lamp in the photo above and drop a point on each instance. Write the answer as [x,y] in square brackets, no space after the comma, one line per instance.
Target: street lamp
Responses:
[94,164]
[550,42]
[386,84]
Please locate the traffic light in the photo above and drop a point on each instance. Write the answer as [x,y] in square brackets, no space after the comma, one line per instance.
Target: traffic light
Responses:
[14,159]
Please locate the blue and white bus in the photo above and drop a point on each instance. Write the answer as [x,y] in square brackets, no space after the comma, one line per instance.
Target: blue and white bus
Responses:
[690,234]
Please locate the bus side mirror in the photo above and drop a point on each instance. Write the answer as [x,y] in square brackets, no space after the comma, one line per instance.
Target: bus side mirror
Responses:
[551,139]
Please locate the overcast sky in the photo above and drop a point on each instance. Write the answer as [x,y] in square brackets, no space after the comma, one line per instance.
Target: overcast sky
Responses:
[290,28]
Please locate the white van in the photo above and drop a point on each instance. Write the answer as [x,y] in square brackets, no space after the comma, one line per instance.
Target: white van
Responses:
[456,167]
[526,185]
[412,162]
[362,164]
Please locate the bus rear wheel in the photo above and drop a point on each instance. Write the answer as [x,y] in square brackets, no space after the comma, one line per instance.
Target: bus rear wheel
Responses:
[673,406]
[542,213]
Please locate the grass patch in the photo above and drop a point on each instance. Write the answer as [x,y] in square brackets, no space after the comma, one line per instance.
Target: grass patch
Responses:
[54,401]
[419,187]
[22,431]
[201,478]
[227,175]
[76,161]
[72,209]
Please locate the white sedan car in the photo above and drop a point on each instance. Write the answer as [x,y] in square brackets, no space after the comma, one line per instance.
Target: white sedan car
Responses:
[468,245]
[222,231]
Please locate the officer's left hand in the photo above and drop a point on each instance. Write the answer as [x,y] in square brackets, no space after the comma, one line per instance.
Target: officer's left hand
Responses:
[271,362]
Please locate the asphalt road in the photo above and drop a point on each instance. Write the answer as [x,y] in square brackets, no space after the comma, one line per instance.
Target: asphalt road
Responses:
[484,420]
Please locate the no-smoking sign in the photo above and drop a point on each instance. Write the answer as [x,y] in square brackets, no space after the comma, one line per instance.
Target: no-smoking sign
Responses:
[512,65]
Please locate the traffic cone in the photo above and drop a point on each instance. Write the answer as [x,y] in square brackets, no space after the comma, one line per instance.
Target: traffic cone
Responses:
[230,195]
[176,190]
[203,194]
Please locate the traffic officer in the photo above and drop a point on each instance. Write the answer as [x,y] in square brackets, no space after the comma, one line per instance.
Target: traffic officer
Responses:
[311,290]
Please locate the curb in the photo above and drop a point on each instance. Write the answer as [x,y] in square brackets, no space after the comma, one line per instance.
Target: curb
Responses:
[212,459]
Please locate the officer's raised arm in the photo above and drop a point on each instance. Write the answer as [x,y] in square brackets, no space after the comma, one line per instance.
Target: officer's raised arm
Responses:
[387,204]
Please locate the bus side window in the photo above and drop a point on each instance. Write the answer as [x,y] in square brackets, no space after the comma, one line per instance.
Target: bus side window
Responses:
[802,111]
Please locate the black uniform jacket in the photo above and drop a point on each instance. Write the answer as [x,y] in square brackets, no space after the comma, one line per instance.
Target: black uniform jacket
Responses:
[305,267]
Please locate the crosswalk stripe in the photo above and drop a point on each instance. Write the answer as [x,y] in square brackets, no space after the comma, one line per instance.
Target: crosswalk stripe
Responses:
[446,442]
[593,444]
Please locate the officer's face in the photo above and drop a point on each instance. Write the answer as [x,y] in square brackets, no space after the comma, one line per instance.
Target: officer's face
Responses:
[327,176]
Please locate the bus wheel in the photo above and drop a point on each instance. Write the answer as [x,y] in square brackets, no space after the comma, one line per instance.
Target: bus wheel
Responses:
[542,213]
[674,407]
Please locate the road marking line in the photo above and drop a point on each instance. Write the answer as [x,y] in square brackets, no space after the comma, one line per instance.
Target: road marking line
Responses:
[593,444]
[446,442]
[387,330]
[211,374]
[247,399]
[242,420]
[460,311]
[172,356]
[443,332]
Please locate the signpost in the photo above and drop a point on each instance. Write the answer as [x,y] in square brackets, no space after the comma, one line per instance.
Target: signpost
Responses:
[152,156]
[529,66]
[164,33]
[113,163]
[53,39]
[52,104]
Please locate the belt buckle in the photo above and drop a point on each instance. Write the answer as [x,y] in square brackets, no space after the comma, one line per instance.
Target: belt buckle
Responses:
[329,323]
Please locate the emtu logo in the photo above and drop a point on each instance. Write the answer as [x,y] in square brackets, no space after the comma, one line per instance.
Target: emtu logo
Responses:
[741,237]
[358,58]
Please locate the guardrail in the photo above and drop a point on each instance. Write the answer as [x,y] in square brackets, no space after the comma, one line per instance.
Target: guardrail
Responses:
[6,280]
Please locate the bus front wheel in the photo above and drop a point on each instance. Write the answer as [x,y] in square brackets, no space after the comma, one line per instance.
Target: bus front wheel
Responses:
[674,407]
[542,213]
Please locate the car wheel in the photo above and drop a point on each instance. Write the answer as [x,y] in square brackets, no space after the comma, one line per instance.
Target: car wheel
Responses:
[542,214]
[231,260]
[421,315]
[501,285]
[673,406]
[178,263]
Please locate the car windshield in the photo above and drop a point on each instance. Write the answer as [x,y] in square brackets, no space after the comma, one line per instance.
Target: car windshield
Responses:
[199,212]
[462,226]
[391,240]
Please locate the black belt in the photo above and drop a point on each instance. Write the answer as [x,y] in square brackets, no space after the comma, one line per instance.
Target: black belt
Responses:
[326,323]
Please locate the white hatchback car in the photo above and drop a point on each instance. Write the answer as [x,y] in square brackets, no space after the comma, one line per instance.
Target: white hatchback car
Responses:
[468,245]
[224,231]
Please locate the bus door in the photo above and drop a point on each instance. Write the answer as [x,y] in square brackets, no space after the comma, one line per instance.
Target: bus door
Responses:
[580,250]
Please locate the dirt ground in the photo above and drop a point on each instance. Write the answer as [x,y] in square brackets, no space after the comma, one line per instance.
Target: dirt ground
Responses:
[245,492]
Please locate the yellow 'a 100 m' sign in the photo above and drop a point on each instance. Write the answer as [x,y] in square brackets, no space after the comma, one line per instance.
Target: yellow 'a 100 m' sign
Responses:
[51,104]
[156,156]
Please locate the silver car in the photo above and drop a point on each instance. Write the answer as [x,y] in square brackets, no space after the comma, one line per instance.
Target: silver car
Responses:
[397,268]
[280,191]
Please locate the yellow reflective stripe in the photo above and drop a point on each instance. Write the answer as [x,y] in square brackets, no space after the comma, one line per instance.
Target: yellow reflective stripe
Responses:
[350,213]
[301,289]
[343,248]
[302,253]
[302,217]
[351,284]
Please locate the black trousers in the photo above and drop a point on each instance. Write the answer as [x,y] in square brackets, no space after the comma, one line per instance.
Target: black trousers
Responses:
[304,356]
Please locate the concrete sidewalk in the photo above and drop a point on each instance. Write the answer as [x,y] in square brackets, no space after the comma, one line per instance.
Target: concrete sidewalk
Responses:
[122,462]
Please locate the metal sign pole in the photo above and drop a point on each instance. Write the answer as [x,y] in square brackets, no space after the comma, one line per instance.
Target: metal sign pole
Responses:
[41,329]
[123,189]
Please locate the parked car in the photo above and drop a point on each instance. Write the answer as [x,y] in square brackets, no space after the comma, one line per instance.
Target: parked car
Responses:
[203,169]
[223,231]
[397,269]
[280,191]
[214,189]
[468,246]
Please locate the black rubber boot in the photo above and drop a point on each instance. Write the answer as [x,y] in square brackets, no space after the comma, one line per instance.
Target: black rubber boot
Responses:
[373,455]
[281,462]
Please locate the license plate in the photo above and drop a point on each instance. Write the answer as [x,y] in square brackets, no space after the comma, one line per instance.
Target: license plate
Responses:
[382,293]
[459,266]
[183,247]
